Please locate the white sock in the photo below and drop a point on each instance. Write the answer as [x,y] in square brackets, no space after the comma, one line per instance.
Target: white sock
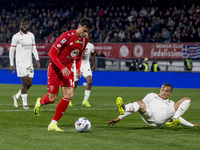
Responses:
[129,109]
[87,94]
[132,107]
[53,121]
[18,94]
[24,99]
[182,109]
[125,115]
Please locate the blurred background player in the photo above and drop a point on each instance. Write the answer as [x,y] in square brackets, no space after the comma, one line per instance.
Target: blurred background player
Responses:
[68,48]
[154,66]
[86,71]
[24,44]
[156,109]
[145,65]
[188,63]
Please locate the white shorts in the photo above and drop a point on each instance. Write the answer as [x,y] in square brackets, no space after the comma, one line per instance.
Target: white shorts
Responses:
[158,115]
[86,71]
[25,71]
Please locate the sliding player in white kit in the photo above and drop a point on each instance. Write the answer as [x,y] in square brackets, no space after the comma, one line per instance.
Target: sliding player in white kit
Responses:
[86,71]
[23,43]
[156,109]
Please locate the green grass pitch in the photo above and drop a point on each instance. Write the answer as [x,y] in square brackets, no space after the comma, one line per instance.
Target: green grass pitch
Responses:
[21,130]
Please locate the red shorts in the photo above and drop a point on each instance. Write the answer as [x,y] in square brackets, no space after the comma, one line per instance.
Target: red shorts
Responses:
[55,78]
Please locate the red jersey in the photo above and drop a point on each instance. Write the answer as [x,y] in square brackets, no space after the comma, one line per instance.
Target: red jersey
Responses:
[67,48]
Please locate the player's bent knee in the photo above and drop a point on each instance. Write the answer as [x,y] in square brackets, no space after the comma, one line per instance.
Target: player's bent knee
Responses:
[141,104]
[89,83]
[53,99]
[69,96]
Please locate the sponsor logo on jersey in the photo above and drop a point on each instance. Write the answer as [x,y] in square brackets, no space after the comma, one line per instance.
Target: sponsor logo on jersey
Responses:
[63,41]
[74,53]
[77,41]
[58,45]
[51,88]
[27,46]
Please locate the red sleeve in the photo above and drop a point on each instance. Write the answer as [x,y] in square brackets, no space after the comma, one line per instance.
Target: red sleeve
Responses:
[56,48]
[53,54]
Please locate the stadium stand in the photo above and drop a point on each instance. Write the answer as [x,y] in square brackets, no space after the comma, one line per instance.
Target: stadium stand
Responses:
[113,21]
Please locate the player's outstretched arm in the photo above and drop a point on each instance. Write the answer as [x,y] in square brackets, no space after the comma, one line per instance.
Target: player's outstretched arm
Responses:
[186,123]
[112,122]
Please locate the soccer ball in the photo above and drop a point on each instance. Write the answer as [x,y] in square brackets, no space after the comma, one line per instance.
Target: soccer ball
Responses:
[82,124]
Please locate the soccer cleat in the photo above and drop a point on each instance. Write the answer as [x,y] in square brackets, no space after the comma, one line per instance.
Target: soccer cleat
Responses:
[70,103]
[15,100]
[25,107]
[54,127]
[37,107]
[86,103]
[175,122]
[120,105]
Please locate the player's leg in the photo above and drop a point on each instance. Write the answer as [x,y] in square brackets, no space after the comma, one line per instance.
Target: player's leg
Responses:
[24,81]
[61,107]
[52,88]
[139,106]
[29,82]
[46,99]
[15,98]
[128,109]
[180,107]
[87,91]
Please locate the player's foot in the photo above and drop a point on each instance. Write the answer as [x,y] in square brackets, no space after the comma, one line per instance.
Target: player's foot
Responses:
[120,105]
[15,101]
[175,122]
[54,127]
[37,107]
[86,103]
[25,107]
[70,103]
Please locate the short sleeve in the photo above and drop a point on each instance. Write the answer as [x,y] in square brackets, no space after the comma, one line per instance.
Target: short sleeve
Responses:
[14,41]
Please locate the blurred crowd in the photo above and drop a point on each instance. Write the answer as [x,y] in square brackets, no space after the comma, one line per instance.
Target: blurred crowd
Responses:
[114,21]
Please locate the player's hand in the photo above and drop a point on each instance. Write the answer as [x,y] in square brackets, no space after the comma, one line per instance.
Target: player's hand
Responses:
[66,72]
[38,64]
[112,122]
[196,125]
[93,68]
[12,69]
[78,74]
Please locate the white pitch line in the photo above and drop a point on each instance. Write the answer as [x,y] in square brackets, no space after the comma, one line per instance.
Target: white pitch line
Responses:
[18,110]
[55,104]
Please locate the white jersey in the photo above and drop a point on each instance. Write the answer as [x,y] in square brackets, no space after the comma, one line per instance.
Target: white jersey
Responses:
[25,47]
[159,110]
[85,63]
[86,56]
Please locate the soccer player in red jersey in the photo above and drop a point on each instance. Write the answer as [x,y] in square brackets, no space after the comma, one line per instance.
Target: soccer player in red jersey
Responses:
[68,48]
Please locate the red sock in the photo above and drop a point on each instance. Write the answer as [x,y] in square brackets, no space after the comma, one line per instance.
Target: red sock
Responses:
[45,100]
[60,109]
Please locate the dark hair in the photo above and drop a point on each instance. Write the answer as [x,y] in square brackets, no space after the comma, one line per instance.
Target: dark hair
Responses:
[167,84]
[86,22]
[25,19]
